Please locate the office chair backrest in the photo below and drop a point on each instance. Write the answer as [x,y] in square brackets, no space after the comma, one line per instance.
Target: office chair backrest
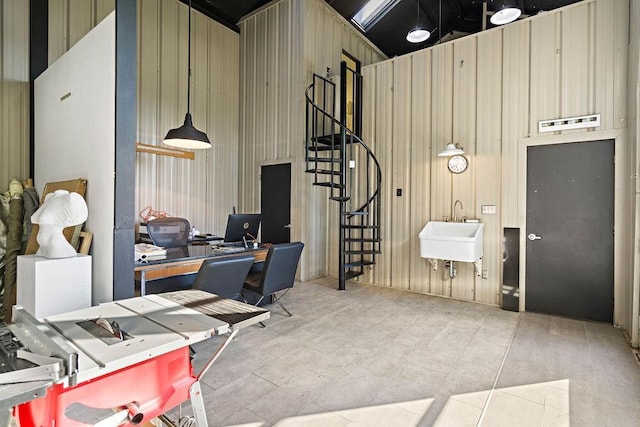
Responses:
[280,267]
[224,276]
[169,232]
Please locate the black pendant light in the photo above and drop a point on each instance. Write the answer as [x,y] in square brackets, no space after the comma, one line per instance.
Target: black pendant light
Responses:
[186,136]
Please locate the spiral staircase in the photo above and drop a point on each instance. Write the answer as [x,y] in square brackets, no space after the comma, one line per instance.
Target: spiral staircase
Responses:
[339,159]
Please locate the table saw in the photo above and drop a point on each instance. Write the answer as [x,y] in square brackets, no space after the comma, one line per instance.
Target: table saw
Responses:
[120,363]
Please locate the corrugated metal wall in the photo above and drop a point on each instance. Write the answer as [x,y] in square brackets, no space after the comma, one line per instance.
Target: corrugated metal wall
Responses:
[487,92]
[70,20]
[204,190]
[634,155]
[281,47]
[14,91]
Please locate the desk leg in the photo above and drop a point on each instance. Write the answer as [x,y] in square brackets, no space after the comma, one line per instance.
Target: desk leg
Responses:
[143,283]
[197,404]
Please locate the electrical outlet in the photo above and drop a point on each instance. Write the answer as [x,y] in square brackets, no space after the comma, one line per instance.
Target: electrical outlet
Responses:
[488,209]
[485,274]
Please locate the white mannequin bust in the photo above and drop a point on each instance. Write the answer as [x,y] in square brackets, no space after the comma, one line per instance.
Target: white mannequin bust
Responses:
[60,209]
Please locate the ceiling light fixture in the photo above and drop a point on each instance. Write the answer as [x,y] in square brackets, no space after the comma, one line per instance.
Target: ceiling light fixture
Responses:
[418,34]
[508,11]
[451,150]
[186,136]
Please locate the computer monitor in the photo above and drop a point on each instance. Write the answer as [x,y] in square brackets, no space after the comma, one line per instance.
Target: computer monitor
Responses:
[242,225]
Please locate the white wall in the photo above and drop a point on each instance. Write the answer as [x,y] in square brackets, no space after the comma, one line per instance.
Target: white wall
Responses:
[75,137]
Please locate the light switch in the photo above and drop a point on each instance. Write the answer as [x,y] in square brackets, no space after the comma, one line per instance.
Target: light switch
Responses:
[488,209]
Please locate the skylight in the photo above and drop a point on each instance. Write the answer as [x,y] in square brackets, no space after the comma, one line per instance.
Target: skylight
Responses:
[372,12]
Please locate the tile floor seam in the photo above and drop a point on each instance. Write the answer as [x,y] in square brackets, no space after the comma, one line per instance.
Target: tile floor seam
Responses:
[497,378]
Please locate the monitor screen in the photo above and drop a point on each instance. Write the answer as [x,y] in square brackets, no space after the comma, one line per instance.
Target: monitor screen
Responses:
[242,225]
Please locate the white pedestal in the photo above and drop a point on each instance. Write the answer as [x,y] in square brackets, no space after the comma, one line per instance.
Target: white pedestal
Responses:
[53,286]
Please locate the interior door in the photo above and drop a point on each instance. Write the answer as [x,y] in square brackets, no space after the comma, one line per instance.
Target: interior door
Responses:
[275,205]
[570,199]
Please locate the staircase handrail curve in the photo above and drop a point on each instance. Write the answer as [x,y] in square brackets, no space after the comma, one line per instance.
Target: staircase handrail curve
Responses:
[360,141]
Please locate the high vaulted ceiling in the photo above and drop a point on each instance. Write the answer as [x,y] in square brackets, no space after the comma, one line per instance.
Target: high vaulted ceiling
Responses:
[446,19]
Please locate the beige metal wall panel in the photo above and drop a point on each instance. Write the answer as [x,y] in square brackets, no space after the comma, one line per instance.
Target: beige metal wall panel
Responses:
[486,166]
[487,92]
[282,45]
[383,143]
[179,187]
[465,100]
[634,163]
[419,191]
[70,20]
[103,8]
[604,74]
[14,91]
[58,29]
[545,69]
[576,60]
[148,99]
[515,113]
[441,135]
[621,43]
[80,15]
[203,190]
[400,177]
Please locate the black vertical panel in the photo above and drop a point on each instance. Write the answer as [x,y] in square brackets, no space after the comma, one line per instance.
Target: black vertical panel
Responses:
[125,155]
[511,269]
[38,60]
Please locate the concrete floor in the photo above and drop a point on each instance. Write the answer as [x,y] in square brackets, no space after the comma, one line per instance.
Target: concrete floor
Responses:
[373,356]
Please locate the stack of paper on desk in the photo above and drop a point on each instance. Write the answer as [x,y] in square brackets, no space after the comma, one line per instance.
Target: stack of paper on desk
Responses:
[149,252]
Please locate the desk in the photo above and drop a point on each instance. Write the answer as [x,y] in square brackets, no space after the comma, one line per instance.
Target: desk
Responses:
[186,260]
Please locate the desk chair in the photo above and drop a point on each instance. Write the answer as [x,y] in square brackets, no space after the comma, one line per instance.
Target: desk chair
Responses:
[169,232]
[278,273]
[224,276]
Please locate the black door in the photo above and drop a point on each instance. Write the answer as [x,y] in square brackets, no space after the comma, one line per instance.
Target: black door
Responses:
[275,206]
[570,199]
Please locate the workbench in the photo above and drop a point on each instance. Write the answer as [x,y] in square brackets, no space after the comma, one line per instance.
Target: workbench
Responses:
[120,363]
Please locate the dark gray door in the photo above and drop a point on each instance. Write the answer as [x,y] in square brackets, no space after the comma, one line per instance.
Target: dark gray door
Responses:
[275,203]
[570,199]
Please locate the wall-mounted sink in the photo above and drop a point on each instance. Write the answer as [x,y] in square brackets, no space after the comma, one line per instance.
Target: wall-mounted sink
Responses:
[452,241]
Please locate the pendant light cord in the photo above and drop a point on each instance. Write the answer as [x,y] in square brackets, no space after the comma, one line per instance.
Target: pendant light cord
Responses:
[439,23]
[189,64]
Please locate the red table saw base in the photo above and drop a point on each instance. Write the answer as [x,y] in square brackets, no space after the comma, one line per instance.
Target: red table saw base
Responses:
[155,385]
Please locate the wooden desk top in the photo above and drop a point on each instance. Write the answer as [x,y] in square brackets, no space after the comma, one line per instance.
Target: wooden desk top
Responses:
[196,254]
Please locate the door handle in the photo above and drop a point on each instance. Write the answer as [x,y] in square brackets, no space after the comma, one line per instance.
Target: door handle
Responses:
[287,226]
[534,237]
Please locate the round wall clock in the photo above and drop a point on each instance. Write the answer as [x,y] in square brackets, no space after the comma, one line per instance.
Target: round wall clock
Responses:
[458,163]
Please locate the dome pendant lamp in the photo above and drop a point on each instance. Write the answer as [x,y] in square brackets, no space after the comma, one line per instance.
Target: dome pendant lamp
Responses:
[418,34]
[451,150]
[508,11]
[186,136]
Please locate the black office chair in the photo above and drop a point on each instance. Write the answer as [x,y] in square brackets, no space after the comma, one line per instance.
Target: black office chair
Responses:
[224,276]
[169,232]
[278,274]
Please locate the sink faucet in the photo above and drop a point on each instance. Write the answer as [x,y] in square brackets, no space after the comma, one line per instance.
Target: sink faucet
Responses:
[455,215]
